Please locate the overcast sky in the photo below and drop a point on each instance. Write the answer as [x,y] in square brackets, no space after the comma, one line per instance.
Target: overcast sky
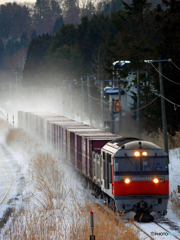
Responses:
[18,1]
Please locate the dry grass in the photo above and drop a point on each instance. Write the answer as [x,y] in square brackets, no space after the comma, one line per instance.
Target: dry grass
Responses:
[49,179]
[13,135]
[175,203]
[158,138]
[3,123]
[108,225]
[18,138]
[52,224]
[17,135]
[175,140]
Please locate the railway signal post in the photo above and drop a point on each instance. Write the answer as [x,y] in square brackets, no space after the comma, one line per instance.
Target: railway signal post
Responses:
[92,237]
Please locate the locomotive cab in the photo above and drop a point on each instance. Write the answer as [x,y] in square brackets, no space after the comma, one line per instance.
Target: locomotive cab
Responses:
[135,175]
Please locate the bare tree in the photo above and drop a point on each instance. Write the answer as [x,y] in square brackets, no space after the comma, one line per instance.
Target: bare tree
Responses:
[88,8]
[71,12]
[17,60]
[97,65]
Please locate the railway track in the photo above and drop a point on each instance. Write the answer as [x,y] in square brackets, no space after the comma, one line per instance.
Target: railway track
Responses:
[6,179]
[6,186]
[154,230]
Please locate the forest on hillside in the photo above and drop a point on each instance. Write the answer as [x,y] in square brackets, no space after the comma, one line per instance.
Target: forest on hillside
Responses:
[20,23]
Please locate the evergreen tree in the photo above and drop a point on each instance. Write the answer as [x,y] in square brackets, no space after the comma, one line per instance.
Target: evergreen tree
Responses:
[58,24]
[112,6]
[24,40]
[168,31]
[1,53]
[65,63]
[116,5]
[66,36]
[134,40]
[14,20]
[33,35]
[36,59]
[12,47]
[92,33]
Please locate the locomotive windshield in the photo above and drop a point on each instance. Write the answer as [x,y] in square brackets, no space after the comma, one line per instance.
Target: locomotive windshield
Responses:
[150,165]
[122,165]
[154,164]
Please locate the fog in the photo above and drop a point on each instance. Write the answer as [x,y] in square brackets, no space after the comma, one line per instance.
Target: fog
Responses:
[69,98]
[64,100]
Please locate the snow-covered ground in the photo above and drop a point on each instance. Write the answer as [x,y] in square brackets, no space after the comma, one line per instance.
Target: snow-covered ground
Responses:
[18,161]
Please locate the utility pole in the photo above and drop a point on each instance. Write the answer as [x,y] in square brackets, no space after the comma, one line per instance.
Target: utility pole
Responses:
[70,96]
[120,116]
[63,108]
[163,107]
[89,97]
[112,114]
[138,105]
[102,102]
[163,110]
[82,99]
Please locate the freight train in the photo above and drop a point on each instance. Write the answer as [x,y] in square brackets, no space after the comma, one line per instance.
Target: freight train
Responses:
[130,174]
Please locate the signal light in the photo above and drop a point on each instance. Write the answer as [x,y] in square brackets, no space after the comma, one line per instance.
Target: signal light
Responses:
[127,180]
[117,105]
[155,180]
[136,154]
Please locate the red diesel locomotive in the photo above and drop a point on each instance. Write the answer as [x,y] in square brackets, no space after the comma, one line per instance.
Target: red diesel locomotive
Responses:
[134,175]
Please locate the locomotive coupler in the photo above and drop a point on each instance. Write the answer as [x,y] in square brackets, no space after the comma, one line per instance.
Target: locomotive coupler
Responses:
[143,216]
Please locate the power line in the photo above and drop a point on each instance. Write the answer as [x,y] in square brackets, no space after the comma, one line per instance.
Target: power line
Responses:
[175,65]
[175,104]
[163,75]
[146,105]
[96,99]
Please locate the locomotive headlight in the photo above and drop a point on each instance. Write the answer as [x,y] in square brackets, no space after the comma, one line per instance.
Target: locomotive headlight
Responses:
[127,180]
[136,154]
[155,180]
[144,153]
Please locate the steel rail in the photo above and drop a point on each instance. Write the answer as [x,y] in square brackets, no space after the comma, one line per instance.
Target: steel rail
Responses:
[9,183]
[136,225]
[165,229]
